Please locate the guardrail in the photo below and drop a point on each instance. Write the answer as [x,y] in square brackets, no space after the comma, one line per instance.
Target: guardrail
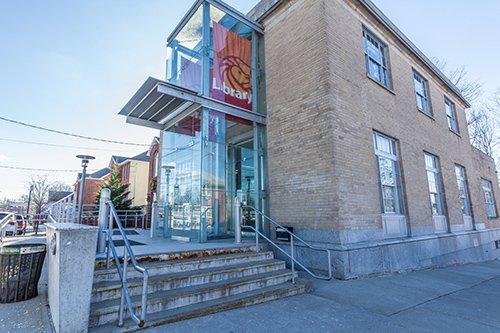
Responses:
[5,222]
[293,237]
[139,319]
[64,210]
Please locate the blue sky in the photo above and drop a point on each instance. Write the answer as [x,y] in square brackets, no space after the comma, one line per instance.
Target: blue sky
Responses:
[72,65]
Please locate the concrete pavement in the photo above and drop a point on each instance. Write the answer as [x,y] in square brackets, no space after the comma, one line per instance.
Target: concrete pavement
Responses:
[453,299]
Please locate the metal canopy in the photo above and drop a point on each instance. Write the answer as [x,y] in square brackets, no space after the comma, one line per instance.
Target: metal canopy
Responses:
[158,104]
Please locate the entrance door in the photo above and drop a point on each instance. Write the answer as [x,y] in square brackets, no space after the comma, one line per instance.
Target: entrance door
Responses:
[180,180]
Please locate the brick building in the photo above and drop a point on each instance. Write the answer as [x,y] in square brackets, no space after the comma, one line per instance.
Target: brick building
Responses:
[134,172]
[329,119]
[93,184]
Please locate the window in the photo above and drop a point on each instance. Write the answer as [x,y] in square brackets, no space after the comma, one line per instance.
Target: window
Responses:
[389,174]
[434,182]
[377,65]
[463,189]
[491,210]
[422,93]
[451,115]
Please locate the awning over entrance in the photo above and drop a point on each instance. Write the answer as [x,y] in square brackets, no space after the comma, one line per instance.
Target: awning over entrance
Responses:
[158,104]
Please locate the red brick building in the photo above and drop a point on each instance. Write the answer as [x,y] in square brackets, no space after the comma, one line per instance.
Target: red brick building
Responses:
[93,183]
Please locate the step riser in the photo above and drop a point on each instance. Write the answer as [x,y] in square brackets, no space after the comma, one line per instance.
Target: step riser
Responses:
[168,284]
[186,266]
[101,263]
[215,309]
[183,300]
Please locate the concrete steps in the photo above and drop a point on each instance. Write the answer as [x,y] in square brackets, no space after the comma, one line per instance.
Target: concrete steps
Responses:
[193,285]
[182,265]
[205,308]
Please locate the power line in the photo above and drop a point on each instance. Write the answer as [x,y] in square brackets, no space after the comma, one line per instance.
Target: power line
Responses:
[35,169]
[72,134]
[60,146]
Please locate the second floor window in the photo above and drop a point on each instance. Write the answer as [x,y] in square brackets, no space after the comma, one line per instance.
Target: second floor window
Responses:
[489,199]
[451,115]
[377,65]
[422,93]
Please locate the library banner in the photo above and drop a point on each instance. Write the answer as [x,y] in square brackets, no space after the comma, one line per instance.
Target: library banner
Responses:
[231,74]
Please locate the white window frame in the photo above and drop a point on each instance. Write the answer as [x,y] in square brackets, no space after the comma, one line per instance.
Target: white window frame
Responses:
[373,43]
[393,156]
[424,95]
[435,172]
[451,115]
[489,199]
[463,190]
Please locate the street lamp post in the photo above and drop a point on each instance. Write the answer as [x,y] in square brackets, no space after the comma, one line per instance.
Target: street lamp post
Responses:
[85,162]
[166,205]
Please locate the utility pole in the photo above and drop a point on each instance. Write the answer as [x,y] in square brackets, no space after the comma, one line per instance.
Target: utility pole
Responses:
[85,162]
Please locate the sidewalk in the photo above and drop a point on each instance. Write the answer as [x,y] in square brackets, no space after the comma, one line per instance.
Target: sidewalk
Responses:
[30,316]
[454,299]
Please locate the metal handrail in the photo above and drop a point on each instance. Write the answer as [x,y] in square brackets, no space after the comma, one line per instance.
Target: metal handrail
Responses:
[3,223]
[122,272]
[292,248]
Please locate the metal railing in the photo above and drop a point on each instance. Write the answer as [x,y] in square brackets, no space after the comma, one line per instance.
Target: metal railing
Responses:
[5,222]
[64,210]
[132,217]
[293,237]
[139,319]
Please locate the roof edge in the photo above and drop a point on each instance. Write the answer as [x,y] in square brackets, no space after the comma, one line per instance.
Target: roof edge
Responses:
[265,7]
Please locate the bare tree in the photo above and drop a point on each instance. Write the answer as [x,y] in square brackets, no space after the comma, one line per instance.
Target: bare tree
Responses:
[40,193]
[483,118]
[483,128]
[470,89]
[60,186]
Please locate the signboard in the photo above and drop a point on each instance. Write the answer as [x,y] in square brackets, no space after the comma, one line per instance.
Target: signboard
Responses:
[231,74]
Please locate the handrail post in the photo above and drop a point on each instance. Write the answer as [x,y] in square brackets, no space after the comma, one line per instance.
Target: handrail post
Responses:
[238,220]
[293,258]
[110,233]
[256,233]
[124,281]
[103,219]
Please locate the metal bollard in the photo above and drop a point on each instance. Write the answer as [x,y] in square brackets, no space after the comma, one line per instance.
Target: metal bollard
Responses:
[237,220]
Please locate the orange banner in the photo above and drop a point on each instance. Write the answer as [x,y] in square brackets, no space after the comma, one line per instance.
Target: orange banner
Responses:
[231,74]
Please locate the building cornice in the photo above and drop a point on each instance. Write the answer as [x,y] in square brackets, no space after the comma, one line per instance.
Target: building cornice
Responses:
[266,7]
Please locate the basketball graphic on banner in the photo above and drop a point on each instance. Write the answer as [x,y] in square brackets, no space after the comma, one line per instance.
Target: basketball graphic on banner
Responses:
[231,74]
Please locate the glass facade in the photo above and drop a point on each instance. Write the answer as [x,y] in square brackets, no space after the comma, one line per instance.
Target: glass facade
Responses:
[209,157]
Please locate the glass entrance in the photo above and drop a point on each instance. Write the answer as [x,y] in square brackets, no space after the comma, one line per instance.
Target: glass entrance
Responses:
[208,159]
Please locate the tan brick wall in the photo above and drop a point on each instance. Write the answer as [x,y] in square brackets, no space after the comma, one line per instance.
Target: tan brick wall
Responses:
[322,111]
[300,118]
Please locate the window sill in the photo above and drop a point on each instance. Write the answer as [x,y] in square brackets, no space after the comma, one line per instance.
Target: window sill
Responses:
[380,84]
[455,132]
[431,116]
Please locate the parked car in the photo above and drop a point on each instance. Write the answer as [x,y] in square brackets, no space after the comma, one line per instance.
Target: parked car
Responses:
[21,224]
[11,227]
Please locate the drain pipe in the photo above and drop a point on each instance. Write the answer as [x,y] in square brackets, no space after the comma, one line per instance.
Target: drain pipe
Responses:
[237,220]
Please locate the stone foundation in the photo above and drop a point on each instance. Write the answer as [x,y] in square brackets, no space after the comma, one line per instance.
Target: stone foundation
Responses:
[396,255]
